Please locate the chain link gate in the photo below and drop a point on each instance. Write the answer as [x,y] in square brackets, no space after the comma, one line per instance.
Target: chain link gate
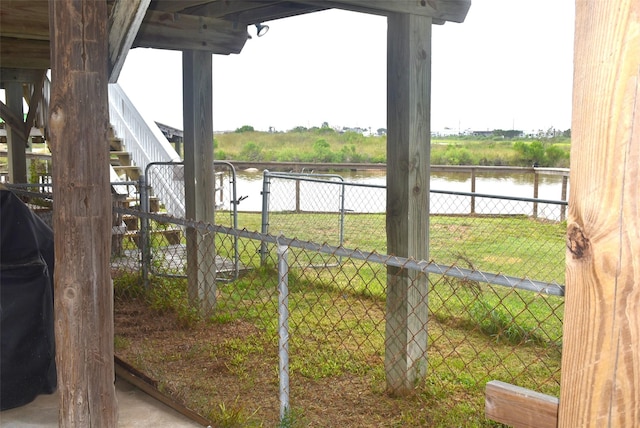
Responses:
[163,245]
[298,197]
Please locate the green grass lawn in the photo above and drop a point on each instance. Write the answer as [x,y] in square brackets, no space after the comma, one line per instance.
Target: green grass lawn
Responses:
[477,332]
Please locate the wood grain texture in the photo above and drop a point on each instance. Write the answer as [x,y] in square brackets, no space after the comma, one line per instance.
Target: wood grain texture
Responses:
[440,10]
[199,177]
[601,352]
[79,120]
[161,30]
[520,407]
[408,139]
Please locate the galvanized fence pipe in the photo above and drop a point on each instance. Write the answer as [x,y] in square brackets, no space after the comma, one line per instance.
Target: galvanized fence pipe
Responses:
[508,281]
[266,183]
[144,231]
[283,328]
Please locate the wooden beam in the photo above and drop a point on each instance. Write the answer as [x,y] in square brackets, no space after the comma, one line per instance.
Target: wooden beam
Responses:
[23,53]
[124,21]
[600,383]
[408,140]
[179,5]
[79,120]
[199,176]
[277,11]
[520,407]
[20,75]
[219,9]
[186,32]
[34,100]
[440,10]
[17,138]
[13,119]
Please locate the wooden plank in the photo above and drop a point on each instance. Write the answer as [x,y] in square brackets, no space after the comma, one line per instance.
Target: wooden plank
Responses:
[79,119]
[124,21]
[520,407]
[408,141]
[601,336]
[20,18]
[138,379]
[163,30]
[22,53]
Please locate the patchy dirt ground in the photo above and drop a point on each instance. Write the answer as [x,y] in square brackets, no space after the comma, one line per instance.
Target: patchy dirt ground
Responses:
[228,373]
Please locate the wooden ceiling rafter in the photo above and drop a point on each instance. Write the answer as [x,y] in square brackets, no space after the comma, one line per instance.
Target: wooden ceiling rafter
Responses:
[166,30]
[440,11]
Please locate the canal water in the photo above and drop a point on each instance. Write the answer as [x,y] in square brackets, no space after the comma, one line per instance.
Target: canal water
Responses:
[515,185]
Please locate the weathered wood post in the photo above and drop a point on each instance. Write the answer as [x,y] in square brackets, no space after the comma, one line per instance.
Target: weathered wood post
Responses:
[601,352]
[408,139]
[473,190]
[199,176]
[16,135]
[79,120]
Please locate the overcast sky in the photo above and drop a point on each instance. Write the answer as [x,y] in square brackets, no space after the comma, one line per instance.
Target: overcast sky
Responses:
[509,65]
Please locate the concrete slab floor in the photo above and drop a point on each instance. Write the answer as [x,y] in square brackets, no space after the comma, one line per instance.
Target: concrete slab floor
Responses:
[136,409]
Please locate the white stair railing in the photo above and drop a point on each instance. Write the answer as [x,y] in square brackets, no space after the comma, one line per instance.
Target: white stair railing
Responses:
[146,143]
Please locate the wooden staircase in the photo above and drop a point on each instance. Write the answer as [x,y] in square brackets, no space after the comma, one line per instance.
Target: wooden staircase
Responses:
[120,160]
[128,226]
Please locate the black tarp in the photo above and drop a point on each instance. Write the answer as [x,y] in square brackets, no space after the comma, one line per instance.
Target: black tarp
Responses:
[27,354]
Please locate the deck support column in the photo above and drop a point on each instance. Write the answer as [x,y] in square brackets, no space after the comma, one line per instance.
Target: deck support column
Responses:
[79,122]
[199,176]
[408,140]
[601,334]
[16,141]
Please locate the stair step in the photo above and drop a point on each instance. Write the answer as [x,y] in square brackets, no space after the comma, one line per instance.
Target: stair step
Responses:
[131,222]
[132,172]
[123,158]
[115,144]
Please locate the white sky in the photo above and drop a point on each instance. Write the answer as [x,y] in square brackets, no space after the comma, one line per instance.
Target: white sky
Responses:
[509,65]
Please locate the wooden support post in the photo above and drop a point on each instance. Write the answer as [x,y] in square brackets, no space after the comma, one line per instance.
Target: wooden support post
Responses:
[408,140]
[199,176]
[473,190]
[601,344]
[16,137]
[79,119]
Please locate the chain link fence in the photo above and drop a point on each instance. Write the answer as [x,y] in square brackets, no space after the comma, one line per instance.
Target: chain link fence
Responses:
[313,338]
[515,236]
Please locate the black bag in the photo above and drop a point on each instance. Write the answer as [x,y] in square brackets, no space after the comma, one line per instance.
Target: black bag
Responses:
[27,351]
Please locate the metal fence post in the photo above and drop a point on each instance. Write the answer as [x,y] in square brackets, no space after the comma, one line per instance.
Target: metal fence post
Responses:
[283,328]
[266,182]
[144,231]
[536,183]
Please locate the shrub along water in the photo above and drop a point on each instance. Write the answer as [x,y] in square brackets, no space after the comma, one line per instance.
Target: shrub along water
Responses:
[327,145]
